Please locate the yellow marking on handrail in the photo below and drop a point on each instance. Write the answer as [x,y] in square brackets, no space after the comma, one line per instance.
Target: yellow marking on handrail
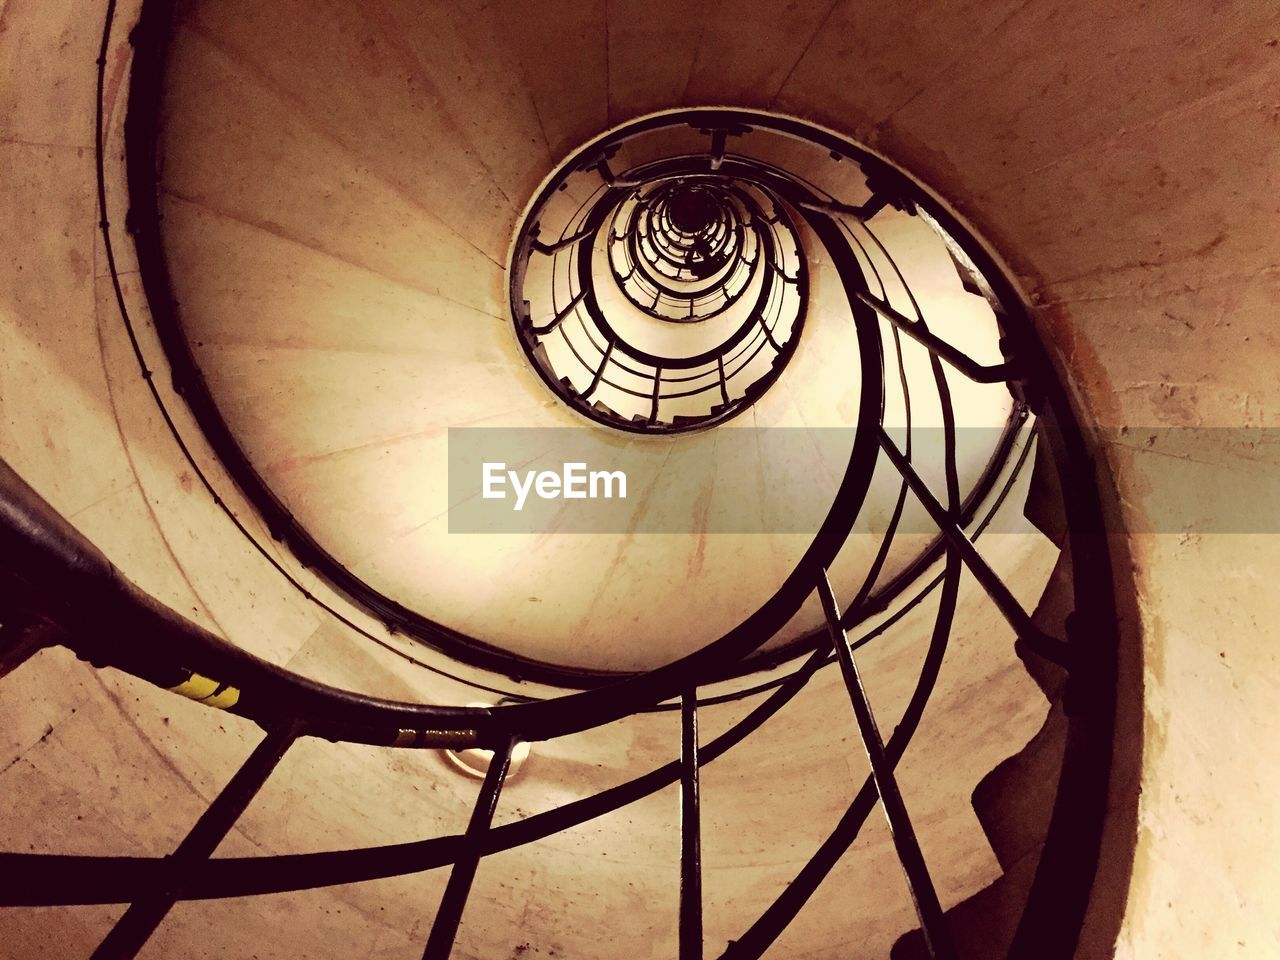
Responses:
[205,690]
[196,687]
[224,700]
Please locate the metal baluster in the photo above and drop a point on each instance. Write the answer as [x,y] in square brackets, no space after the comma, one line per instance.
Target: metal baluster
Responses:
[135,927]
[996,373]
[724,386]
[558,245]
[604,362]
[690,832]
[928,909]
[717,148]
[768,334]
[559,317]
[1030,636]
[445,927]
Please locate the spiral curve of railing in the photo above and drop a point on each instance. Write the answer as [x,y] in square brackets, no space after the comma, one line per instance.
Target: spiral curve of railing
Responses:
[682,240]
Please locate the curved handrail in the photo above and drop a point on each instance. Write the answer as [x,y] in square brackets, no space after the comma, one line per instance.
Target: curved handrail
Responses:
[47,879]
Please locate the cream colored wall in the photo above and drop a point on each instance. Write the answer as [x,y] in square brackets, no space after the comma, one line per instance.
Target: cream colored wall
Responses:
[1125,162]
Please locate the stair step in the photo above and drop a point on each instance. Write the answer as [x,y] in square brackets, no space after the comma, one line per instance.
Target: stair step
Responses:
[1044,497]
[1050,615]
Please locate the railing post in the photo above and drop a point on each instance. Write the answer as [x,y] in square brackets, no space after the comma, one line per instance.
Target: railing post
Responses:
[1030,637]
[458,889]
[995,373]
[136,925]
[932,922]
[595,381]
[560,316]
[690,832]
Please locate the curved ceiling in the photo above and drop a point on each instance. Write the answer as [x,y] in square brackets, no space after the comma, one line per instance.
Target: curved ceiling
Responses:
[338,204]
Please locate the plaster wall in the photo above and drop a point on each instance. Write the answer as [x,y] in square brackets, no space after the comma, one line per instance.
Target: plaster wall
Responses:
[1124,162]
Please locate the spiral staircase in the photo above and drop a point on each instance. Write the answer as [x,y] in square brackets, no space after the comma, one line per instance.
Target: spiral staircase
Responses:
[334,241]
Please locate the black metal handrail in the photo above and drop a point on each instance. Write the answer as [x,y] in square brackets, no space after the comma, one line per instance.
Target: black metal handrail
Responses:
[58,588]
[69,879]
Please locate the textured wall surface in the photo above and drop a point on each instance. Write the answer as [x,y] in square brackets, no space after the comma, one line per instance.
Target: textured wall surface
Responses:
[1124,162]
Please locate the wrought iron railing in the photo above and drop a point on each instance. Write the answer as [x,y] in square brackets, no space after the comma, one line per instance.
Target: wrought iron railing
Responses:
[683,245]
[684,251]
[56,588]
